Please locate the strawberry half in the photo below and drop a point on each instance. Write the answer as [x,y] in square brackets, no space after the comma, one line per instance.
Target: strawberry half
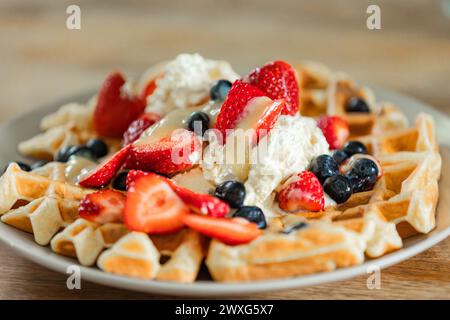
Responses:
[278,80]
[232,231]
[138,126]
[167,156]
[115,109]
[304,192]
[233,108]
[198,202]
[106,171]
[268,118]
[335,129]
[153,207]
[103,206]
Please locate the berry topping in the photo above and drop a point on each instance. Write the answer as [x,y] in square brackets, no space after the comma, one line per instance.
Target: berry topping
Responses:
[324,167]
[232,192]
[278,80]
[198,122]
[81,151]
[98,147]
[354,147]
[63,154]
[339,156]
[115,109]
[169,155]
[357,104]
[103,206]
[138,126]
[220,90]
[106,171]
[232,231]
[335,129]
[153,207]
[234,106]
[363,174]
[338,188]
[252,214]
[303,192]
[120,182]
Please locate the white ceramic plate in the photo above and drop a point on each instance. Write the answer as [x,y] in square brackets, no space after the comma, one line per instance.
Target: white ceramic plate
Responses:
[27,125]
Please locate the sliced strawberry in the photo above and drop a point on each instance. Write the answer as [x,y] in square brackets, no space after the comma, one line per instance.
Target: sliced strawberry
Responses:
[167,156]
[234,107]
[103,206]
[138,126]
[278,80]
[232,231]
[152,206]
[335,129]
[198,202]
[106,171]
[115,109]
[303,192]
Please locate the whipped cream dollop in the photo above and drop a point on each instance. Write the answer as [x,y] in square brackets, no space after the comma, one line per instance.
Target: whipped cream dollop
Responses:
[186,82]
[288,149]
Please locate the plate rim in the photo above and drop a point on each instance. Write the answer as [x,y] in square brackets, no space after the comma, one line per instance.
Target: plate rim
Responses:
[204,288]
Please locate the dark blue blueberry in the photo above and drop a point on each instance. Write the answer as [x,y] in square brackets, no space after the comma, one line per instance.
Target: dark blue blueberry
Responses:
[120,182]
[339,156]
[338,188]
[295,227]
[232,192]
[38,164]
[220,90]
[82,151]
[98,147]
[23,166]
[324,167]
[354,147]
[63,154]
[198,122]
[362,175]
[252,214]
[357,104]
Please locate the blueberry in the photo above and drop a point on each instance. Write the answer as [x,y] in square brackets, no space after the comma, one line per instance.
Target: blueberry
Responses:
[354,147]
[362,175]
[38,164]
[82,151]
[120,182]
[324,167]
[295,227]
[338,188]
[98,147]
[220,90]
[198,120]
[339,156]
[357,104]
[63,154]
[232,192]
[23,166]
[252,214]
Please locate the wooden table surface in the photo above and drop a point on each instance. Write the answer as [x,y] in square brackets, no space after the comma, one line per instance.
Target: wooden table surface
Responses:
[41,61]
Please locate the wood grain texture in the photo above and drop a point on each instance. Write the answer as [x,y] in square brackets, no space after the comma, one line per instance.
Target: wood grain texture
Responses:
[41,60]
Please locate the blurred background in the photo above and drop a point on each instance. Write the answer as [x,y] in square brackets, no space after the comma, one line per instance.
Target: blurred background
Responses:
[41,60]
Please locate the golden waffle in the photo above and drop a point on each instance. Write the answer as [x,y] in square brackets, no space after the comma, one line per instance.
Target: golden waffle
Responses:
[68,126]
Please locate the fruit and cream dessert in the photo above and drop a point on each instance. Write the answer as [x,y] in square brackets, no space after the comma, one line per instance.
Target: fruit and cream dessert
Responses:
[194,159]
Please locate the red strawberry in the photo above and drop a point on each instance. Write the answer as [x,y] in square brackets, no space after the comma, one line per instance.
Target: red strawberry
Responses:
[201,203]
[105,171]
[103,206]
[167,156]
[230,231]
[302,193]
[277,80]
[115,109]
[269,118]
[138,126]
[233,108]
[152,206]
[335,129]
